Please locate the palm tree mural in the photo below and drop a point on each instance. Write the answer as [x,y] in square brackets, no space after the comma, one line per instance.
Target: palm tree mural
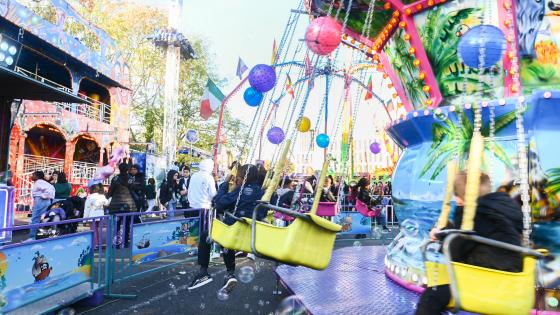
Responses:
[552,187]
[451,141]
[441,35]
[403,63]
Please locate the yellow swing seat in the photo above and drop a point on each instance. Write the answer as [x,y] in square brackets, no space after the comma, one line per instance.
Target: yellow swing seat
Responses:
[308,241]
[489,291]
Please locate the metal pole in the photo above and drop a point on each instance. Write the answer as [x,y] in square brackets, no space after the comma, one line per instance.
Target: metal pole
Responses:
[171,94]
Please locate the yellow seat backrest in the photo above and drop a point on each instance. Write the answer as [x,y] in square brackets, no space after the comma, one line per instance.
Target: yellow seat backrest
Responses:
[495,292]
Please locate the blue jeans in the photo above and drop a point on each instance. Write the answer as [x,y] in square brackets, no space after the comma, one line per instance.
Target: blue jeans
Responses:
[40,205]
[171,207]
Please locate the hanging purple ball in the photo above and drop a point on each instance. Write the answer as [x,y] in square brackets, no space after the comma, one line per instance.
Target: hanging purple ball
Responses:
[275,135]
[322,140]
[262,78]
[375,148]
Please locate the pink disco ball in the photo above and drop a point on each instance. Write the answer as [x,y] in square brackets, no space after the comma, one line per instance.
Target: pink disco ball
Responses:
[323,35]
[375,148]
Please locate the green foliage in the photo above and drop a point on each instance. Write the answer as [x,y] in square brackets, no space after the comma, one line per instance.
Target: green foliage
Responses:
[357,18]
[538,75]
[130,23]
[552,187]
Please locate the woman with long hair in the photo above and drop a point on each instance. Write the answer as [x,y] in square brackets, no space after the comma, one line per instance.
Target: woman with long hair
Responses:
[62,187]
[362,193]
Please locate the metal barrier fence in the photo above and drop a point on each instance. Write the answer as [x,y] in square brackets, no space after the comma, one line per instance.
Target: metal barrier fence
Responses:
[346,204]
[85,258]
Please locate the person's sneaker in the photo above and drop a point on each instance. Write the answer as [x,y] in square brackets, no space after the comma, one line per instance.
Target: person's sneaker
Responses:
[230,281]
[385,230]
[251,256]
[200,280]
[240,254]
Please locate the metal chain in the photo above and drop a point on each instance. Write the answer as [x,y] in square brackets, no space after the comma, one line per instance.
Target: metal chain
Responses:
[523,171]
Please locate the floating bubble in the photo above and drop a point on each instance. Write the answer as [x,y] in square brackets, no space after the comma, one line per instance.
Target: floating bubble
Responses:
[357,245]
[222,295]
[410,227]
[246,274]
[291,305]
[552,301]
[67,311]
[202,306]
[261,303]
[255,288]
[376,233]
[246,306]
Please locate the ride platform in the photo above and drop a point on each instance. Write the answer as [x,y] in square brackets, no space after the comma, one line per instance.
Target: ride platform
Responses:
[354,283]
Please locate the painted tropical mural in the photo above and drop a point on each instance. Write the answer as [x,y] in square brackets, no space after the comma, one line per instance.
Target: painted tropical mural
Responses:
[452,141]
[397,49]
[538,27]
[458,83]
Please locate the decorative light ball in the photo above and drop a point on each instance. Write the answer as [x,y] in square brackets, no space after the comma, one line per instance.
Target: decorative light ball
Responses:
[275,135]
[486,37]
[262,78]
[304,124]
[323,35]
[252,97]
[375,148]
[322,140]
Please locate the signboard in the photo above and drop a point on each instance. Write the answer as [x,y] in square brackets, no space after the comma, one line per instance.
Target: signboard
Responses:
[35,270]
[6,212]
[140,159]
[353,223]
[191,136]
[152,241]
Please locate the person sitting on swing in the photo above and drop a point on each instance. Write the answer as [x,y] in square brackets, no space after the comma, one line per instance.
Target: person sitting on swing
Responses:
[362,193]
[498,217]
[241,202]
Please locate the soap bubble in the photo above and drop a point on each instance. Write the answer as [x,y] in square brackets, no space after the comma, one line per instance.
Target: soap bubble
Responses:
[222,295]
[291,305]
[246,274]
[357,245]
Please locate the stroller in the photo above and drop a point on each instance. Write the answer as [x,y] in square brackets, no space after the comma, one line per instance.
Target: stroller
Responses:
[60,210]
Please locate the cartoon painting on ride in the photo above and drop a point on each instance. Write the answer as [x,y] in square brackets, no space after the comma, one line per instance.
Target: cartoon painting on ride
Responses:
[538,24]
[153,241]
[33,271]
[353,223]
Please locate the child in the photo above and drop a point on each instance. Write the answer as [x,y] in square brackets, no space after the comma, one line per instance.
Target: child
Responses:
[497,217]
[151,194]
[243,203]
[362,194]
[94,207]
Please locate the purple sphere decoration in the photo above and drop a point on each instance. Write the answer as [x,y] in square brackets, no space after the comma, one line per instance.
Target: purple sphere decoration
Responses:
[262,78]
[375,148]
[275,135]
[489,38]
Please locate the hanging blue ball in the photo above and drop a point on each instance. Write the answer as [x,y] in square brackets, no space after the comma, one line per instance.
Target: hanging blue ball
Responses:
[252,97]
[275,135]
[489,38]
[322,140]
[262,77]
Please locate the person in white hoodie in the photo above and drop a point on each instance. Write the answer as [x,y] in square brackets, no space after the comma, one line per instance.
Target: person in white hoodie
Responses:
[43,194]
[202,187]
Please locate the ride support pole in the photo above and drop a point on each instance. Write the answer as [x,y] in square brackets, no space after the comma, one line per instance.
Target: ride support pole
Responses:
[220,120]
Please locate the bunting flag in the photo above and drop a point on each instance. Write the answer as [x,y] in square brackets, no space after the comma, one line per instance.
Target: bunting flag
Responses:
[348,80]
[274,53]
[211,100]
[289,86]
[390,106]
[369,95]
[241,68]
[309,71]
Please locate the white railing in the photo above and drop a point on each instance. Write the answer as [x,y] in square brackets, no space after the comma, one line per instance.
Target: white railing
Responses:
[37,77]
[94,109]
[32,163]
[82,171]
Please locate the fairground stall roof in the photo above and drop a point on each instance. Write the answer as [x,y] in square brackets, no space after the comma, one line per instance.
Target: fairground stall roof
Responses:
[56,30]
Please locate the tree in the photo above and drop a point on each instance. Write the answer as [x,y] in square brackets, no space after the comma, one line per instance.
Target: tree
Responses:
[130,24]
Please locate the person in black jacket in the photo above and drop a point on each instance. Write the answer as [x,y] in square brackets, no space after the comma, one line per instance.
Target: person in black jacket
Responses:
[497,217]
[122,201]
[137,183]
[169,192]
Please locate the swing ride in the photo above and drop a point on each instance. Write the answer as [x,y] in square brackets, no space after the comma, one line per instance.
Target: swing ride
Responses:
[466,79]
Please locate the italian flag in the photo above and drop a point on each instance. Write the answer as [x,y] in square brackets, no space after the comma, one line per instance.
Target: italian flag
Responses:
[211,100]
